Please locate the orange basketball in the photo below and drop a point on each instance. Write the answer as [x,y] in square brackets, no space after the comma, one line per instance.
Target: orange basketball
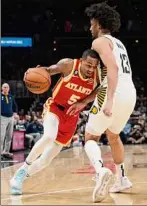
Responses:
[37,80]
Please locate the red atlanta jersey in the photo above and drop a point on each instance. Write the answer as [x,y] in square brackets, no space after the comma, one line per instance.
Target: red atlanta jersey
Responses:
[74,87]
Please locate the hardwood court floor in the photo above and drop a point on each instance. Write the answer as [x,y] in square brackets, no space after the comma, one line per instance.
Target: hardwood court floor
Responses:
[68,180]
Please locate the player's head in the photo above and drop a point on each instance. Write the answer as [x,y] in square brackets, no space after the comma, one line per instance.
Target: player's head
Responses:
[89,62]
[5,88]
[103,19]
[35,118]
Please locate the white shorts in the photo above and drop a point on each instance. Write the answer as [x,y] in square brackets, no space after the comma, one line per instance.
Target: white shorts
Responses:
[123,106]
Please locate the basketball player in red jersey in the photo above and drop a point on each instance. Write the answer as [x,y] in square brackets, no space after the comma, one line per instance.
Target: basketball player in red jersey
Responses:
[78,81]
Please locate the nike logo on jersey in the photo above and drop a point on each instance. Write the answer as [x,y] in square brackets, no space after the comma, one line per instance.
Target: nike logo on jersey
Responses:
[78,88]
[90,81]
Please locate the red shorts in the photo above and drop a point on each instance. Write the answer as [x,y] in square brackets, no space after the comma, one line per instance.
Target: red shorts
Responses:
[67,124]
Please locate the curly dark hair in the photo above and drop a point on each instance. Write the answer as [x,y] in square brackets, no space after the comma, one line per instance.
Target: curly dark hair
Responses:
[108,17]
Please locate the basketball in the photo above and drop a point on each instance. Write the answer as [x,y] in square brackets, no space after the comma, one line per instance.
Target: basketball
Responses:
[37,80]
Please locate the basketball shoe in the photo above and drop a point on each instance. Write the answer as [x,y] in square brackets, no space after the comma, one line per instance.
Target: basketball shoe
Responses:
[121,184]
[17,181]
[103,180]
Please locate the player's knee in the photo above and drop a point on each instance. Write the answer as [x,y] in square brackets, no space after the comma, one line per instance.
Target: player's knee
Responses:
[48,138]
[50,154]
[45,140]
[50,132]
[50,124]
[89,136]
[56,149]
[112,138]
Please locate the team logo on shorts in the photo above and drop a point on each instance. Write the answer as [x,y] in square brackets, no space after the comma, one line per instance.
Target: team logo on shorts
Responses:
[94,110]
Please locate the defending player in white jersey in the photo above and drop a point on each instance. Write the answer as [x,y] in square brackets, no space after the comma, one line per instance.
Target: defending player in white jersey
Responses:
[115,100]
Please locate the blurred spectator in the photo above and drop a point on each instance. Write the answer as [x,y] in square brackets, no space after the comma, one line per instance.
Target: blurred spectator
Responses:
[12,84]
[127,129]
[145,132]
[142,109]
[129,25]
[8,112]
[34,129]
[20,88]
[141,119]
[33,114]
[86,27]
[27,121]
[67,26]
[136,135]
[19,124]
[124,135]
[21,114]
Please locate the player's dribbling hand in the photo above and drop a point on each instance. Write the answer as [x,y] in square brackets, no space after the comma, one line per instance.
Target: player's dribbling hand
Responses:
[108,108]
[29,71]
[75,108]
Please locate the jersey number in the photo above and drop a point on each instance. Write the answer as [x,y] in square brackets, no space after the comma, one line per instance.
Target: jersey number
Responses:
[73,99]
[125,63]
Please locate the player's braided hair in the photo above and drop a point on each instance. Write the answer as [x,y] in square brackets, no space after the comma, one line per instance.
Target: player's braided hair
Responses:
[108,17]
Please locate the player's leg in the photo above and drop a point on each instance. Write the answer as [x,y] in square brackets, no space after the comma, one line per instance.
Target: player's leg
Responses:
[117,149]
[45,159]
[96,125]
[66,130]
[122,112]
[51,123]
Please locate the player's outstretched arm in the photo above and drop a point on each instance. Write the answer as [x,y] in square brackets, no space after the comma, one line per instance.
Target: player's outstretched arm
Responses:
[80,105]
[64,66]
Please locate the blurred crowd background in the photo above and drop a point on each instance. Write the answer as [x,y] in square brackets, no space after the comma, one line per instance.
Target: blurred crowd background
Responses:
[60,29]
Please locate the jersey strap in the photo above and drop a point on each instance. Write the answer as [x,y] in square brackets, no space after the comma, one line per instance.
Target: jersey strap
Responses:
[75,67]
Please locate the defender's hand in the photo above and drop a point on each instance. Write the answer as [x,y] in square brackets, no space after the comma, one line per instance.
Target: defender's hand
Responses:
[108,108]
[76,107]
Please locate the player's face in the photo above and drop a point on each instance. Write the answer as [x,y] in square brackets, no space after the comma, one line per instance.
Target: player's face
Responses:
[88,66]
[94,28]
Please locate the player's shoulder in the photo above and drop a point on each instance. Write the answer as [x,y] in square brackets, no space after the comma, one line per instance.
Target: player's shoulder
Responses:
[66,64]
[65,61]
[100,41]
[101,44]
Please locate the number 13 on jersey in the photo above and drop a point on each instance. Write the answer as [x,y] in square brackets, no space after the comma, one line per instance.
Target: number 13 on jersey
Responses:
[125,63]
[73,99]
